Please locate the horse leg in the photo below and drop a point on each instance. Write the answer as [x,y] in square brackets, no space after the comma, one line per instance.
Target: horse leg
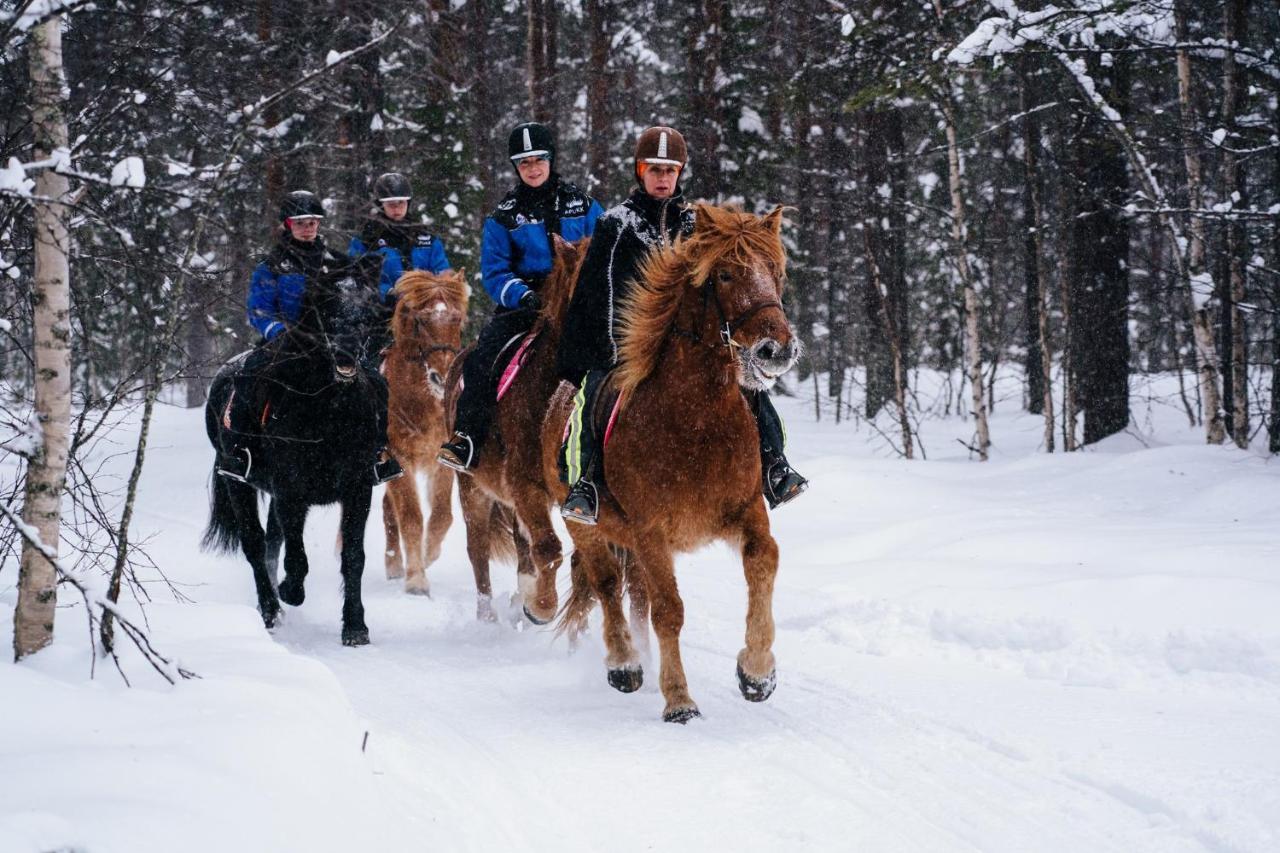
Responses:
[440,500]
[668,619]
[244,501]
[638,597]
[624,671]
[526,574]
[293,517]
[531,505]
[355,512]
[477,509]
[757,673]
[393,559]
[275,538]
[404,494]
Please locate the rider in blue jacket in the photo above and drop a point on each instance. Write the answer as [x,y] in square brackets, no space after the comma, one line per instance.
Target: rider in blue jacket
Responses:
[275,301]
[515,257]
[404,245]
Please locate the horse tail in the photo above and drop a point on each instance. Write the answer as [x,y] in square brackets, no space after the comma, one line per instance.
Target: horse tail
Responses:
[223,532]
[502,527]
[572,619]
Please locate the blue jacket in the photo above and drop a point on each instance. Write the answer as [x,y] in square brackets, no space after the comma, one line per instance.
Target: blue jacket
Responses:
[515,252]
[404,246]
[280,279]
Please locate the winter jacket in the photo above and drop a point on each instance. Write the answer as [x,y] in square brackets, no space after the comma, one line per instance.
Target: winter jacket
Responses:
[515,251]
[625,235]
[280,279]
[404,245]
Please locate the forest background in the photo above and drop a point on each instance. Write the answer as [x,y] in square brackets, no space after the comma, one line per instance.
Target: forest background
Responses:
[1086,192]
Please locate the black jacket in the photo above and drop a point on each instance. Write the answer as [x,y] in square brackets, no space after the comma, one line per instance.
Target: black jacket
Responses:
[624,236]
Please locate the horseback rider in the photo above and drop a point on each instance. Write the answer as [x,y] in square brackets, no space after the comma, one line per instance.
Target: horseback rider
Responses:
[405,245]
[276,291]
[516,254]
[652,218]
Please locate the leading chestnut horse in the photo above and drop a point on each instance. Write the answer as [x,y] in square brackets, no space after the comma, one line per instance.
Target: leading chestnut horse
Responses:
[426,331]
[682,465]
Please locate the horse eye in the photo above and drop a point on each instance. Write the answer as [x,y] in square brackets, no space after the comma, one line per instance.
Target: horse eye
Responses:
[724,276]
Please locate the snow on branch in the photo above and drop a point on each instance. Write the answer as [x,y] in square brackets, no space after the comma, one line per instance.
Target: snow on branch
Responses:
[169,671]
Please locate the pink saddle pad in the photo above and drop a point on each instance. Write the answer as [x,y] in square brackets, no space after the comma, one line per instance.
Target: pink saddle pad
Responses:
[513,366]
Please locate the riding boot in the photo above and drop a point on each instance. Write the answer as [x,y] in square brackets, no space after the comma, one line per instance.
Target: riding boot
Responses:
[385,468]
[780,482]
[582,504]
[458,453]
[244,461]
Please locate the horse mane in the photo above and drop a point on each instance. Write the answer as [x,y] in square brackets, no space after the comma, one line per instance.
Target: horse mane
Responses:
[557,288]
[419,290]
[720,235]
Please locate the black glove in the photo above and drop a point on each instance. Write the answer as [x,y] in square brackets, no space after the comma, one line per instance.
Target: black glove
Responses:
[530,301]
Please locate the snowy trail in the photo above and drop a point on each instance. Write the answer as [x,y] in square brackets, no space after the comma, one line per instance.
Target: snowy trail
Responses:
[1042,653]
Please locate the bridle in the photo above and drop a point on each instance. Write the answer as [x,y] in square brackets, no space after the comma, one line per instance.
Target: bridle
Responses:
[728,328]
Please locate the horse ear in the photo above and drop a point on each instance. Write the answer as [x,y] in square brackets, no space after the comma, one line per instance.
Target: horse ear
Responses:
[558,245]
[704,217]
[774,219]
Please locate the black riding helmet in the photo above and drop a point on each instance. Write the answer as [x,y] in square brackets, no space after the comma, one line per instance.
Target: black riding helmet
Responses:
[531,140]
[392,186]
[301,204]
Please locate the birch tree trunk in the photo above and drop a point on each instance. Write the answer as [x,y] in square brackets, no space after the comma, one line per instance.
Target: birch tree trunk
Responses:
[42,500]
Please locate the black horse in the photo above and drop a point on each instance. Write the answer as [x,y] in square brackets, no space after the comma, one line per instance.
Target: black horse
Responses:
[321,405]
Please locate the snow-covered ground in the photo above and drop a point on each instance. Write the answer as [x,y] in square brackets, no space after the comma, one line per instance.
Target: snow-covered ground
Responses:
[1049,653]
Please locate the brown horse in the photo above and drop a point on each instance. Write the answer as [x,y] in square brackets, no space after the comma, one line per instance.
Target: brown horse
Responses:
[509,473]
[427,333]
[682,466]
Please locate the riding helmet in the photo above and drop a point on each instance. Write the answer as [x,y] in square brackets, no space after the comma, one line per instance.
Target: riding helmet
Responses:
[531,140]
[660,145]
[392,186]
[301,204]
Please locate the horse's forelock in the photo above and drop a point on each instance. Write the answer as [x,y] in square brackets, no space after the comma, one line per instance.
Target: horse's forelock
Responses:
[420,290]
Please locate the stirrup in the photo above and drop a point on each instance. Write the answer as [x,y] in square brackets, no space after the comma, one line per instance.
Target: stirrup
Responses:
[582,504]
[229,465]
[386,470]
[782,484]
[459,453]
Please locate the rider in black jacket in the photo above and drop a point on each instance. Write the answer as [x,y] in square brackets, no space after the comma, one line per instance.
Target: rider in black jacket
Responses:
[653,217]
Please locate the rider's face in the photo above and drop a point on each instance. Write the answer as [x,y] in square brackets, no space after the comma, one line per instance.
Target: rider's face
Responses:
[534,171]
[304,230]
[660,179]
[395,209]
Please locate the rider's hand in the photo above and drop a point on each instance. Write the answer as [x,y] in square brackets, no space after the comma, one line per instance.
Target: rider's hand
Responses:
[530,301]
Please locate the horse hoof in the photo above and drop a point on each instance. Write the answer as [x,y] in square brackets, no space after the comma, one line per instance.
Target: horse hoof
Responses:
[271,617]
[394,574]
[534,619]
[682,714]
[626,679]
[355,636]
[292,594]
[757,689]
[418,589]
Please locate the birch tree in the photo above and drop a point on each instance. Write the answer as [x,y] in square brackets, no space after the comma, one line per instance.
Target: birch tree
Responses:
[46,472]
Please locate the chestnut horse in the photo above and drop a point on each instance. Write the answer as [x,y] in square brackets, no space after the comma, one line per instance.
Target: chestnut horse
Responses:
[508,473]
[427,334]
[682,466]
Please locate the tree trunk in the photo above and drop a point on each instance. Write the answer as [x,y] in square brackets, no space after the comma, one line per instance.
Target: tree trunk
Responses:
[1039,365]
[1100,244]
[541,58]
[705,42]
[598,15]
[46,474]
[1235,191]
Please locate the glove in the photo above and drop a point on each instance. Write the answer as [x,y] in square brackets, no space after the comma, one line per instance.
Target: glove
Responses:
[531,301]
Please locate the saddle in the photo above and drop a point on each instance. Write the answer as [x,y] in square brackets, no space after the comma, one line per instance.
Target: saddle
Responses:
[518,347]
[600,420]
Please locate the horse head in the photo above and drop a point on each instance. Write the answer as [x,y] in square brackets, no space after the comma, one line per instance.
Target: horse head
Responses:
[720,287]
[341,312]
[743,266]
[427,325]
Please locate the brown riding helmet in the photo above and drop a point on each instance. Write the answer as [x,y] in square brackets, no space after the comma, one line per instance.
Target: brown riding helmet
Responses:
[660,145]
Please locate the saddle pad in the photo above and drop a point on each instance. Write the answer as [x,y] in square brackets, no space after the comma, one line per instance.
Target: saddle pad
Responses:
[513,366]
